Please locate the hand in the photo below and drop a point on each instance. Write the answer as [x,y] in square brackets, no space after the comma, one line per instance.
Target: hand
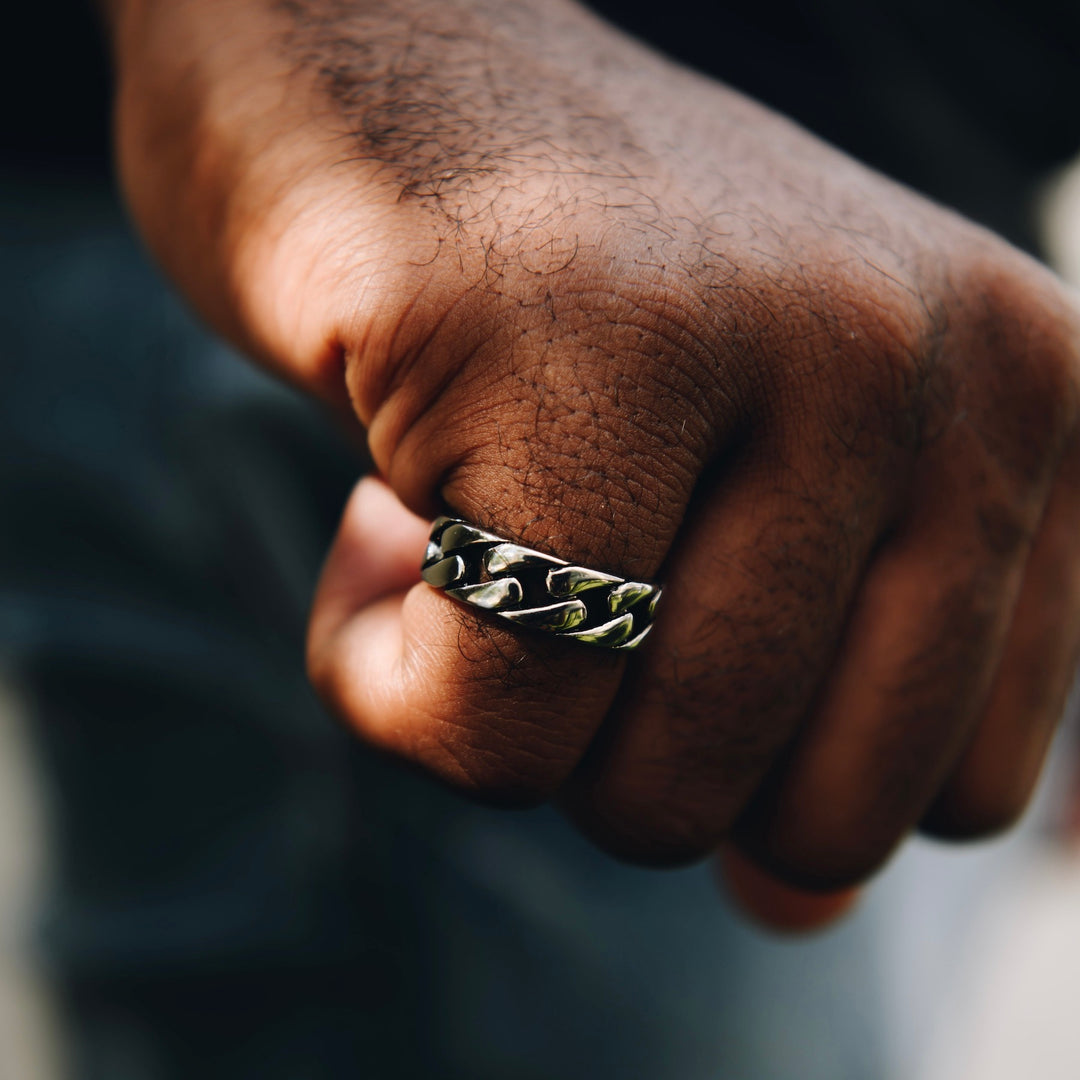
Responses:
[592,301]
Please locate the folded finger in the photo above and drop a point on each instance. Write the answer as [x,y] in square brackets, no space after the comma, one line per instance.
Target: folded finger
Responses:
[757,592]
[919,656]
[993,781]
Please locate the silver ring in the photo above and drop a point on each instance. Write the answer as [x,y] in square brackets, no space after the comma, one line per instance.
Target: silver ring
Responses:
[530,589]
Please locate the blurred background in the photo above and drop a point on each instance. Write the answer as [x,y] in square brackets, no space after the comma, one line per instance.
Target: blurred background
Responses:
[200,875]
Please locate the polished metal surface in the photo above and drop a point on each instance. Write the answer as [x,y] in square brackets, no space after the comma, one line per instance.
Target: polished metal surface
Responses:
[541,592]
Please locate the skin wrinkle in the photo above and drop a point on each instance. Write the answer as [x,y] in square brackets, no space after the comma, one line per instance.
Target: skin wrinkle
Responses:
[420,405]
[553,411]
[576,331]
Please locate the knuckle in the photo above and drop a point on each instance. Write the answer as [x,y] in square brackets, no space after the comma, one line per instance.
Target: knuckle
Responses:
[862,356]
[571,430]
[1020,333]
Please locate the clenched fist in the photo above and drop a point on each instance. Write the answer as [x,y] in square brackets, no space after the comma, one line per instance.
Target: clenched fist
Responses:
[617,312]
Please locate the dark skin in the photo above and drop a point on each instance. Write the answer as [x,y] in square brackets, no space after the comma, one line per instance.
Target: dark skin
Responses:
[614,310]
